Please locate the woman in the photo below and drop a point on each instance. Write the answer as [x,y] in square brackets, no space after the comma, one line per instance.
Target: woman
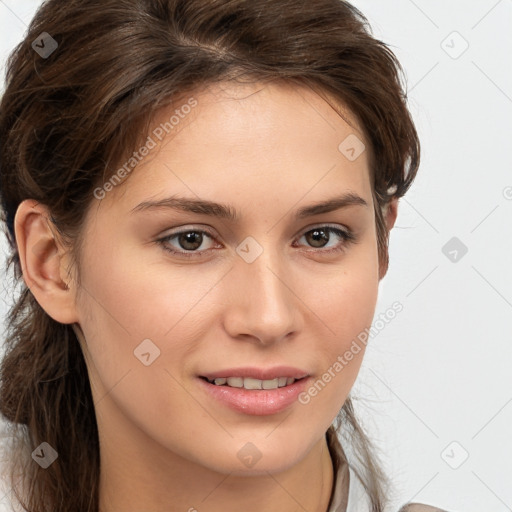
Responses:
[198,197]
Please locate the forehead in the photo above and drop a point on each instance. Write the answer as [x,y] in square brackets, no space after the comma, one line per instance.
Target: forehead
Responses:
[247,143]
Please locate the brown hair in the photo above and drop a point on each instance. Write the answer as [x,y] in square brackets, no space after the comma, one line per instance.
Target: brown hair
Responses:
[66,121]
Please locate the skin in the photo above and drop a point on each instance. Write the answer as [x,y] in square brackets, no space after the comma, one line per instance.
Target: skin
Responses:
[267,150]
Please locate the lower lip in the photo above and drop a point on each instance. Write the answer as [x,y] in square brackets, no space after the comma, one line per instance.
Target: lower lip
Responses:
[257,402]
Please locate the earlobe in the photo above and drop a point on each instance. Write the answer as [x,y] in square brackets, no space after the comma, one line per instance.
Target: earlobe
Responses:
[41,259]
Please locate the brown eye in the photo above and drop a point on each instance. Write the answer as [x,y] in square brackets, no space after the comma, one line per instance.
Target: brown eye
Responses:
[186,242]
[317,237]
[190,240]
[320,236]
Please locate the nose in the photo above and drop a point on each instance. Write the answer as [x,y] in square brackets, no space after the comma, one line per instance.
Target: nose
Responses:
[263,305]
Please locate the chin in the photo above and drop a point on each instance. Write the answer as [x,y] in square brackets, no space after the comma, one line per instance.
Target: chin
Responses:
[258,456]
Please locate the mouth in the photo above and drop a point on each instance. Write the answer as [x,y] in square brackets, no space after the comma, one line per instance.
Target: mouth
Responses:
[251,383]
[253,391]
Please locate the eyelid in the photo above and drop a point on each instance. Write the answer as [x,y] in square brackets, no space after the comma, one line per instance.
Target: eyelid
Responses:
[212,233]
[190,227]
[316,225]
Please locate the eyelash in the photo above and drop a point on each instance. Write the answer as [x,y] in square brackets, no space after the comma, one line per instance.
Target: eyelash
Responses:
[347,236]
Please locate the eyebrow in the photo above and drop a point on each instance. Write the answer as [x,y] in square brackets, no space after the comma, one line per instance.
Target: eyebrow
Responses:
[225,211]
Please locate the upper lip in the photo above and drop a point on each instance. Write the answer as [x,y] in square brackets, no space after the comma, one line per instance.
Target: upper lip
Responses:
[258,373]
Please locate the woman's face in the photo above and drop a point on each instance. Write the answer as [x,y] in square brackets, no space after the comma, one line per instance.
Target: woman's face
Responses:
[266,295]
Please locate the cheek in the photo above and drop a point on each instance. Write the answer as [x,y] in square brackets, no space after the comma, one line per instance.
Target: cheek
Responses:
[346,307]
[350,317]
[347,301]
[141,291]
[129,298]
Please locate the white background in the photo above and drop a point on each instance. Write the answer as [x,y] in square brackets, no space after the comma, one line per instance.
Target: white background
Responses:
[439,372]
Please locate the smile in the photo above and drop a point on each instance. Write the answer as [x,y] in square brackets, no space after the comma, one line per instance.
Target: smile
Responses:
[251,383]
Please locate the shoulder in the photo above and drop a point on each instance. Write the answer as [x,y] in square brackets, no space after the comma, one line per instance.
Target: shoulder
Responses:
[419,507]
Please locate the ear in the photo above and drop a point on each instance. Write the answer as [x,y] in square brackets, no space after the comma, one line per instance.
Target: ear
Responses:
[43,261]
[390,213]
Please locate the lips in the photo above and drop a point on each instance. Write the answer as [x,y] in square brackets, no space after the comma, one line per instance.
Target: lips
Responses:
[259,402]
[255,391]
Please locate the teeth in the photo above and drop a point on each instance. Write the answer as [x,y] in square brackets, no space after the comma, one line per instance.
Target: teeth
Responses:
[253,383]
[270,384]
[236,382]
[250,383]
